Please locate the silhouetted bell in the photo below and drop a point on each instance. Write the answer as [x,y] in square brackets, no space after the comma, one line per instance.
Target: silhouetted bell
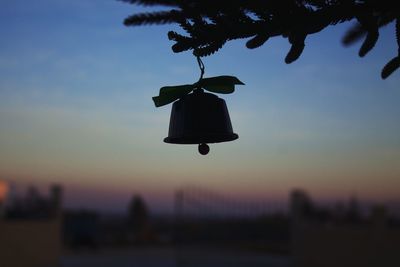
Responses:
[200,118]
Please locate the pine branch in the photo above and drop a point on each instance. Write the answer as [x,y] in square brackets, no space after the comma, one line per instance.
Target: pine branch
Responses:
[390,67]
[296,49]
[209,49]
[257,41]
[209,24]
[354,34]
[369,42]
[162,17]
[183,43]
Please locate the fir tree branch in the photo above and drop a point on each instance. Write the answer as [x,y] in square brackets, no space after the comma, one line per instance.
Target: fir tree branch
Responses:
[209,24]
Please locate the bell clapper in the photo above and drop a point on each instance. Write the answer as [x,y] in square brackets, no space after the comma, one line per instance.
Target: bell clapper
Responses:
[204,149]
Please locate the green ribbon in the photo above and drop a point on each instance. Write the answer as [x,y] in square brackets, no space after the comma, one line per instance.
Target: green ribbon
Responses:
[219,84]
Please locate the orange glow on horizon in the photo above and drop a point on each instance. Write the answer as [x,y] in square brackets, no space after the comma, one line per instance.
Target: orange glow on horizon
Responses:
[3,190]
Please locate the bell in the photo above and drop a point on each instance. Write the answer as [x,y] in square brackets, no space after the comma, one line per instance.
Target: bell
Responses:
[200,118]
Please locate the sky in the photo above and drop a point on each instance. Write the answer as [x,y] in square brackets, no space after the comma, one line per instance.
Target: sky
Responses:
[76,109]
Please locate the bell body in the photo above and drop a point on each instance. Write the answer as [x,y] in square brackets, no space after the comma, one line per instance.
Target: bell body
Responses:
[199,118]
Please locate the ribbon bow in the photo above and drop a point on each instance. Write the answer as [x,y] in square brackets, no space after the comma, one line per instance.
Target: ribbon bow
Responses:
[220,84]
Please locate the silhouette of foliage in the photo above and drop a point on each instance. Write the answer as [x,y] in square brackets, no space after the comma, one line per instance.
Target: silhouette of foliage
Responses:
[209,24]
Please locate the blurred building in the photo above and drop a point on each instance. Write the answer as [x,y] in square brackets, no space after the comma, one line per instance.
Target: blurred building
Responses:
[323,237]
[30,227]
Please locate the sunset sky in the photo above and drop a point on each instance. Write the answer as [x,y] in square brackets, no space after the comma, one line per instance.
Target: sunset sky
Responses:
[76,109]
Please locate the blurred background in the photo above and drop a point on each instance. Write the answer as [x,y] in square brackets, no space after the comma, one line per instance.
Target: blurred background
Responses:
[86,180]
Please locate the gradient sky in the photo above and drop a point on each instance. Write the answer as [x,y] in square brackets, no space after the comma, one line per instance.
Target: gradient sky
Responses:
[76,109]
